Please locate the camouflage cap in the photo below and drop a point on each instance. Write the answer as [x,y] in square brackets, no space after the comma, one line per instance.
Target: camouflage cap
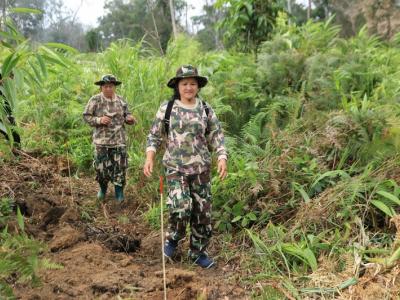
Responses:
[109,78]
[187,71]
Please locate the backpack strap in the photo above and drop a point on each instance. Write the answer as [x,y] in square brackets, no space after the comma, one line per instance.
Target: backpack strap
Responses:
[207,110]
[167,115]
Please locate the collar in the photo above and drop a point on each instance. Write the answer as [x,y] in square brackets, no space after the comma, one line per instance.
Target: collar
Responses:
[188,106]
[105,98]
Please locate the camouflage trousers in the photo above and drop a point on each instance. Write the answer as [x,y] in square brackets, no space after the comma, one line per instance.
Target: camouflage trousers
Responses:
[189,203]
[110,165]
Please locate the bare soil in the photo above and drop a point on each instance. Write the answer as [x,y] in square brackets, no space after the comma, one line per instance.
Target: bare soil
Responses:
[108,251]
[105,251]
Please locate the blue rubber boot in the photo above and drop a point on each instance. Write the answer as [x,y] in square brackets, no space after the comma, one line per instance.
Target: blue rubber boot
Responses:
[101,194]
[170,247]
[203,260]
[119,193]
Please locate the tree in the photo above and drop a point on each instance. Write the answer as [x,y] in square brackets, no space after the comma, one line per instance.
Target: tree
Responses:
[138,19]
[3,13]
[249,22]
[172,13]
[93,40]
[380,16]
[45,21]
[30,25]
[210,34]
[323,9]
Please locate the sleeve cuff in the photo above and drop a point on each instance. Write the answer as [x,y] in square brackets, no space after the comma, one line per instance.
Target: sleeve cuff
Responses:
[151,148]
[223,156]
[98,120]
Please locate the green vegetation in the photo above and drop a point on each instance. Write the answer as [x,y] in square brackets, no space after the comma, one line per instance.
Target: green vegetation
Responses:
[19,254]
[312,128]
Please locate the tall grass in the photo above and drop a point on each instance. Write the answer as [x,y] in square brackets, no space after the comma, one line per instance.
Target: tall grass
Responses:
[312,130]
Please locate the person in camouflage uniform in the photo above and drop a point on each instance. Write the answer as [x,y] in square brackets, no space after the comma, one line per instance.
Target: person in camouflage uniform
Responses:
[193,129]
[108,113]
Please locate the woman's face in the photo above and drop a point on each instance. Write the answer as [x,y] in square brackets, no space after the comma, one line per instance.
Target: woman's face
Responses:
[188,88]
[108,90]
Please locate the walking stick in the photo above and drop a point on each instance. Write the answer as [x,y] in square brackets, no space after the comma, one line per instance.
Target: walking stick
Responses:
[162,235]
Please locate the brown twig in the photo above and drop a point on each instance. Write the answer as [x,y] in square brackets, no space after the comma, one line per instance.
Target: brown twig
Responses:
[105,213]
[69,179]
[20,152]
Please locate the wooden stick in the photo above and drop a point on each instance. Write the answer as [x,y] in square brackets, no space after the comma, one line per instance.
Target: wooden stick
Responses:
[162,236]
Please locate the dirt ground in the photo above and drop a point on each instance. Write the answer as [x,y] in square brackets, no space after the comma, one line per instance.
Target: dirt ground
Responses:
[106,251]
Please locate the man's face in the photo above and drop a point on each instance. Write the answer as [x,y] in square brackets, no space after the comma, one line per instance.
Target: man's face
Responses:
[108,89]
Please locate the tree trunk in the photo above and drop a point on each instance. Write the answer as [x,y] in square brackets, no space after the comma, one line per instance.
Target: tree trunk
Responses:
[155,27]
[3,15]
[187,26]
[309,10]
[289,6]
[172,10]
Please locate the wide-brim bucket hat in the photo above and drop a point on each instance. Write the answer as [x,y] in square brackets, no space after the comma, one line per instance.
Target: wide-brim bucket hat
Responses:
[109,78]
[187,71]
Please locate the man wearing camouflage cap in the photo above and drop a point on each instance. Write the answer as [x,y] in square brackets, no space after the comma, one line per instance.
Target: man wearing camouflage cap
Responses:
[190,128]
[108,113]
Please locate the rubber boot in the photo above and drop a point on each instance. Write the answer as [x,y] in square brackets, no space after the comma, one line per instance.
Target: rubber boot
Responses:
[101,194]
[119,193]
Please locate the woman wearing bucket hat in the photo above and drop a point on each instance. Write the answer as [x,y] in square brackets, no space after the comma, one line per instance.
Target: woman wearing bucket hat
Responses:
[190,128]
[108,113]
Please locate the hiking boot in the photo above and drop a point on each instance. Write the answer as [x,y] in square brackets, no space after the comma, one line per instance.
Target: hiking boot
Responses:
[119,193]
[204,261]
[101,194]
[170,247]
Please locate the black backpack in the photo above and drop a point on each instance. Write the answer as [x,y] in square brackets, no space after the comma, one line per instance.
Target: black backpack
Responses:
[167,115]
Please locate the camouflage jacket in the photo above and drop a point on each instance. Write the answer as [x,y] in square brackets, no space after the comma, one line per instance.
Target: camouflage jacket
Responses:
[114,134]
[187,144]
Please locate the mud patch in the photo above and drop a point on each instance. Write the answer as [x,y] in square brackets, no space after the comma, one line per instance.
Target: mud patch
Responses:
[113,239]
[64,238]
[106,251]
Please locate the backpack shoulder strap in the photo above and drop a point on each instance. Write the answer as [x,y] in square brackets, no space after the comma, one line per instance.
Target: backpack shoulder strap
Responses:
[207,110]
[167,115]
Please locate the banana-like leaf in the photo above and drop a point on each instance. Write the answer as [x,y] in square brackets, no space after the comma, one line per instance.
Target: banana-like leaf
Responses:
[54,57]
[389,196]
[305,255]
[36,71]
[9,63]
[42,65]
[302,192]
[383,207]
[10,36]
[62,46]
[9,91]
[334,173]
[7,45]
[25,10]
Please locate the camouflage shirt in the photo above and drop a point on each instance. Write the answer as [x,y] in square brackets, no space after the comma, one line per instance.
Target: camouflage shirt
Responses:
[111,135]
[187,144]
